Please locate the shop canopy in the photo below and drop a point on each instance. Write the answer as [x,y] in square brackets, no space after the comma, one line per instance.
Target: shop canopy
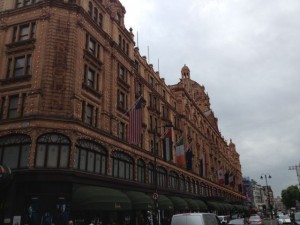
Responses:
[164,203]
[192,204]
[140,200]
[202,206]
[100,198]
[179,203]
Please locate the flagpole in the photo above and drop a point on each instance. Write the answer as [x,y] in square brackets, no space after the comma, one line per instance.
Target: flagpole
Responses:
[133,105]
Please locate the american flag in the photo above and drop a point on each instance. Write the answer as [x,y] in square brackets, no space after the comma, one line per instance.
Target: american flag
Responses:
[135,123]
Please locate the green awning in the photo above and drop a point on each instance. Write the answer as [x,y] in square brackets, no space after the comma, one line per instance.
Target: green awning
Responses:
[179,203]
[202,206]
[192,204]
[100,198]
[228,206]
[164,203]
[140,200]
[214,205]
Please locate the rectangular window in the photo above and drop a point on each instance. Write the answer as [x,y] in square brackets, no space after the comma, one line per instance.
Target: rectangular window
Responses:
[24,32]
[89,114]
[122,73]
[21,66]
[92,46]
[13,106]
[100,20]
[122,132]
[91,78]
[122,100]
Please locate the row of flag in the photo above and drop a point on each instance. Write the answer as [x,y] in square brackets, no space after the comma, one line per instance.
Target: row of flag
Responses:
[184,156]
[226,177]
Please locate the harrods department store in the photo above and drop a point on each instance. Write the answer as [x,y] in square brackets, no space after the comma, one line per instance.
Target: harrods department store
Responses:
[70,77]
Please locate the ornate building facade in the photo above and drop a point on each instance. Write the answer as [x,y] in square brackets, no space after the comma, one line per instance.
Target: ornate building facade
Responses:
[69,76]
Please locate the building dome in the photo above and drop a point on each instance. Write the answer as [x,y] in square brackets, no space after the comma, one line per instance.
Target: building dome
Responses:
[185,72]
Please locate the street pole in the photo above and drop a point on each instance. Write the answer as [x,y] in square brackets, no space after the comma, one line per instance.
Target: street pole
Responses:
[155,194]
[155,177]
[268,194]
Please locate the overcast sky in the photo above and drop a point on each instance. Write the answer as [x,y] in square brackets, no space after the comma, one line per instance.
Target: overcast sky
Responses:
[247,55]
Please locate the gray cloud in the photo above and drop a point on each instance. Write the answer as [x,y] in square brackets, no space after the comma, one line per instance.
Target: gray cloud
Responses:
[246,53]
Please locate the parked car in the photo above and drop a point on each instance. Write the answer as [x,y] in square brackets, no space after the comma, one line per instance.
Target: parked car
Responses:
[283,219]
[297,218]
[195,219]
[224,219]
[255,220]
[239,221]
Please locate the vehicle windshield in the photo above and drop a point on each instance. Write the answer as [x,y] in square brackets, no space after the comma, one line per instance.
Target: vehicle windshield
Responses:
[283,217]
[297,216]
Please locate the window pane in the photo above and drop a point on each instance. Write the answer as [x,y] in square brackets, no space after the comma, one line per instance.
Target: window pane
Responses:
[24,156]
[13,106]
[19,66]
[52,156]
[11,153]
[103,165]
[82,160]
[64,157]
[91,160]
[122,170]
[24,32]
[40,155]
[97,163]
[116,166]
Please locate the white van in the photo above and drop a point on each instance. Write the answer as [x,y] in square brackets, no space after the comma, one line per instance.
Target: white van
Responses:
[195,219]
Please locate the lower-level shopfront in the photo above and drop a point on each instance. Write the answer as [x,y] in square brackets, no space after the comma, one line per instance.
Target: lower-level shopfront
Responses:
[55,198]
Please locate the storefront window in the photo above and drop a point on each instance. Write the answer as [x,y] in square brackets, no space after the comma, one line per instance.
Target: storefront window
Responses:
[52,151]
[174,180]
[14,150]
[141,171]
[161,177]
[90,157]
[122,165]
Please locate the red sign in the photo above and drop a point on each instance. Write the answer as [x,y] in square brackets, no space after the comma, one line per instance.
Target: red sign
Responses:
[155,196]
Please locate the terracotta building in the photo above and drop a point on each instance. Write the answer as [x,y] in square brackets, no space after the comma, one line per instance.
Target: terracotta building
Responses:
[70,76]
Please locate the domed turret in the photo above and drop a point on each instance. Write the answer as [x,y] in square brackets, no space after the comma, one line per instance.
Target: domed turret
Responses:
[185,72]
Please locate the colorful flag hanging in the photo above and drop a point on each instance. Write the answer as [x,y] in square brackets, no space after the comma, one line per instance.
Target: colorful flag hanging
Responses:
[180,152]
[135,123]
[221,175]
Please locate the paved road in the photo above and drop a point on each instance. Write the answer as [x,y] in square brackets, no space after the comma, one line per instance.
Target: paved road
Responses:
[271,222]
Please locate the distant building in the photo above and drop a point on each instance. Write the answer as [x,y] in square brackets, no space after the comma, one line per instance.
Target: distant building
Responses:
[72,85]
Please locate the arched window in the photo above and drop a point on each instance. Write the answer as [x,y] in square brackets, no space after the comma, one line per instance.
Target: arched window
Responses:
[174,180]
[141,171]
[96,15]
[182,183]
[188,184]
[90,157]
[122,165]
[150,173]
[53,151]
[90,9]
[14,150]
[161,177]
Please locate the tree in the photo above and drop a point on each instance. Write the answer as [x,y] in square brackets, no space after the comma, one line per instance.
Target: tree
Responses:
[290,195]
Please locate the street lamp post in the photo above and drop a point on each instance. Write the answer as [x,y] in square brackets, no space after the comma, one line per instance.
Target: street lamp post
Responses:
[155,194]
[266,176]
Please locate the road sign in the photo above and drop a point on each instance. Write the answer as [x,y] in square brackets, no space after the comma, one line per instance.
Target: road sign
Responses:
[155,196]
